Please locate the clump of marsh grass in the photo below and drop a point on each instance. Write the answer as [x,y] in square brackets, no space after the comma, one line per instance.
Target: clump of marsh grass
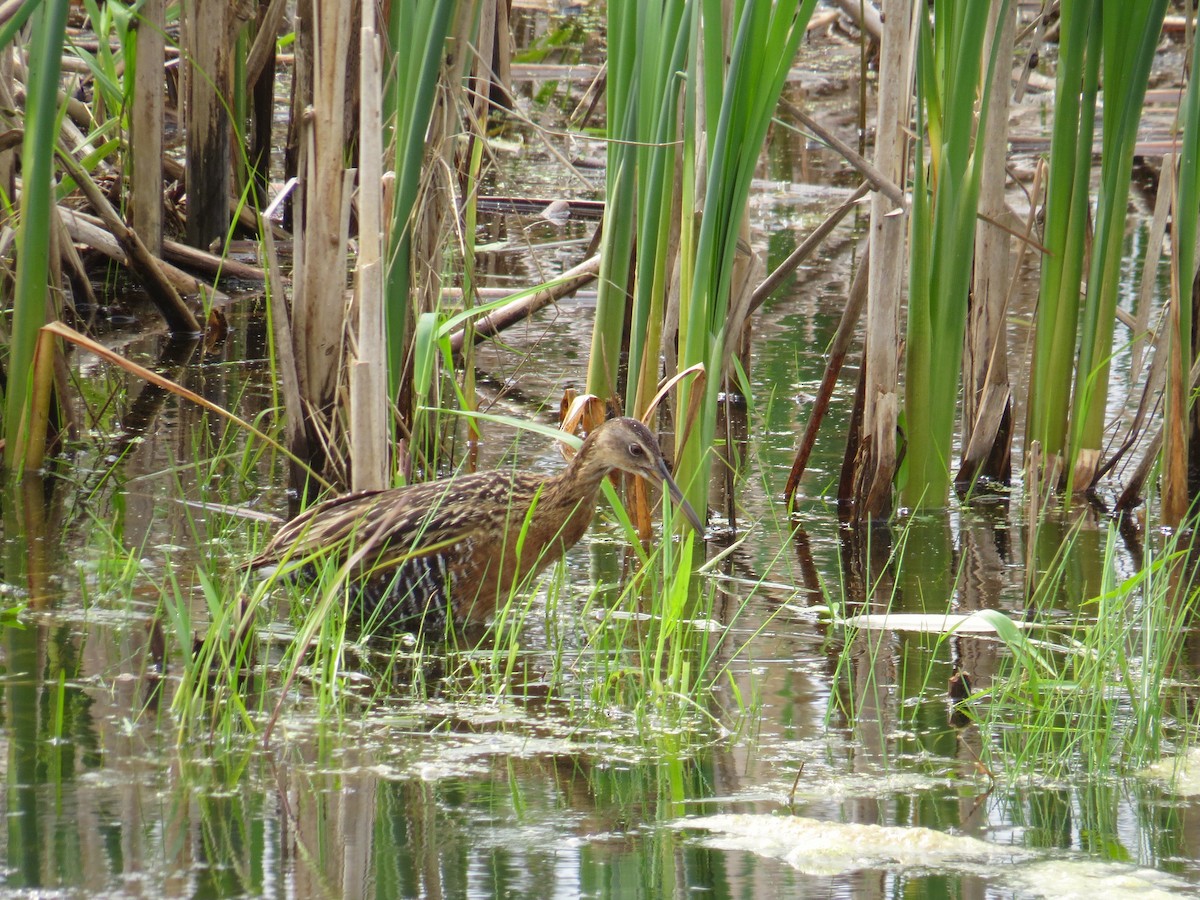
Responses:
[651,656]
[1096,695]
[1089,693]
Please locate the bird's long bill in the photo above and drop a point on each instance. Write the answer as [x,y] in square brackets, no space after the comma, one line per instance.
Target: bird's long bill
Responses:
[677,496]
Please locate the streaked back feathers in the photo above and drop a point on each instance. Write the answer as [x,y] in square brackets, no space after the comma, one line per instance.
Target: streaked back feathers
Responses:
[462,543]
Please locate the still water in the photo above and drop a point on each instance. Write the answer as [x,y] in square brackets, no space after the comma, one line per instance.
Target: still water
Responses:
[826,761]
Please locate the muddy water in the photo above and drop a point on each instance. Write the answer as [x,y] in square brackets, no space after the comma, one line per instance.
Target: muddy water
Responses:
[825,761]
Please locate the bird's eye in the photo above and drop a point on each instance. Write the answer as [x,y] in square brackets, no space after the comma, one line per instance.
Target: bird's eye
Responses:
[636,450]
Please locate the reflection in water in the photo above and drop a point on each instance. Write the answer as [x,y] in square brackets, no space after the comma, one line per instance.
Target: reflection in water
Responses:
[567,783]
[543,795]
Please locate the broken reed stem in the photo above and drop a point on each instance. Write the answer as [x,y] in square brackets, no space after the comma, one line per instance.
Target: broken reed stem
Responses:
[506,316]
[178,316]
[837,356]
[805,250]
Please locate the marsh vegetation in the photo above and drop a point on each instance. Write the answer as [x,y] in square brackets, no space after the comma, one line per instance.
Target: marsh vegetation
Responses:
[908,302]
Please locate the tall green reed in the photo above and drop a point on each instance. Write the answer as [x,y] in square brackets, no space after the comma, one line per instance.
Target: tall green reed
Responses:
[648,44]
[622,130]
[1076,86]
[31,298]
[668,87]
[410,88]
[738,103]
[1130,34]
[1068,395]
[662,61]
[951,54]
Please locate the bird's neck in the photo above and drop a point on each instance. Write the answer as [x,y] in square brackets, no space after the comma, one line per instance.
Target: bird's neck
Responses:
[582,477]
[573,494]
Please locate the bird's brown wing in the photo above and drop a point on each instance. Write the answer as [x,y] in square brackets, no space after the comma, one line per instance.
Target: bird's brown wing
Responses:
[414,520]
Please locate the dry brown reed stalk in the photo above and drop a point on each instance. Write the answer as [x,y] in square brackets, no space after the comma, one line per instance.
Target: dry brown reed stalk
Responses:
[527,304]
[319,308]
[806,248]
[145,148]
[875,461]
[874,177]
[987,397]
[209,29]
[39,403]
[866,15]
[178,316]
[839,346]
[1149,390]
[58,329]
[265,38]
[992,412]
[1154,247]
[369,406]
[74,262]
[90,232]
[209,263]
[295,434]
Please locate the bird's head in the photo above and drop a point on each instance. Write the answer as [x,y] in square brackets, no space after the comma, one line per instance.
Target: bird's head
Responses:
[628,445]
